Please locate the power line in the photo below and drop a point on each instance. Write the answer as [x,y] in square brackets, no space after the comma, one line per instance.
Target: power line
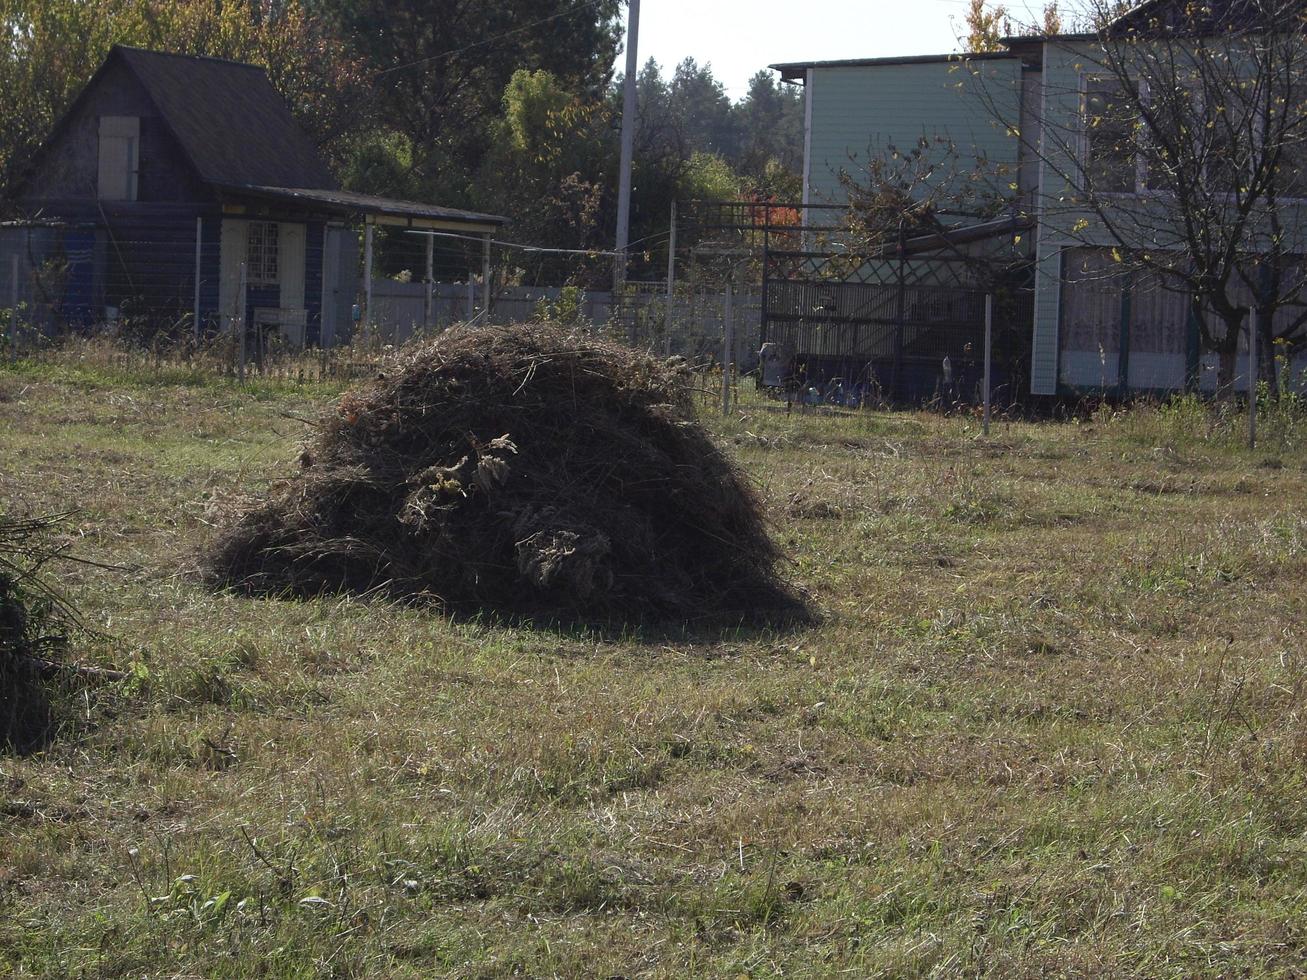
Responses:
[517,245]
[495,37]
[537,249]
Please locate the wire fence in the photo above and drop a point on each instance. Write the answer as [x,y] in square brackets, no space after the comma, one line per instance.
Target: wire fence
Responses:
[174,286]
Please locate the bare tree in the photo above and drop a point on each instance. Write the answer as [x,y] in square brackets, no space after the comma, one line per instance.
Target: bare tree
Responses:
[930,190]
[1174,138]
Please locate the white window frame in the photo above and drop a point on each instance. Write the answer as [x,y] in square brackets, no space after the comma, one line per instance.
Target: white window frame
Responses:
[263,253]
[118,139]
[1141,164]
[1141,188]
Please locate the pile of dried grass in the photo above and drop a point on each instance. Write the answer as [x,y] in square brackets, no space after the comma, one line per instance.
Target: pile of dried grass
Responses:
[523,470]
[35,621]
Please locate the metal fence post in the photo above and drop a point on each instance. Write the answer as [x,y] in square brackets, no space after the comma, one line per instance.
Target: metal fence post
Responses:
[428,311]
[485,278]
[900,319]
[240,306]
[1252,379]
[13,307]
[728,352]
[199,246]
[989,347]
[367,275]
[671,287]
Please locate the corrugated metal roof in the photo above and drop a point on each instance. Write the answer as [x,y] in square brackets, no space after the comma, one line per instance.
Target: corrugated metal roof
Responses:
[231,123]
[795,69]
[348,202]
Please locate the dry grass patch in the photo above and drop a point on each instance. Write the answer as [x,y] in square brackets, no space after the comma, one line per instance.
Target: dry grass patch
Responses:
[1052,723]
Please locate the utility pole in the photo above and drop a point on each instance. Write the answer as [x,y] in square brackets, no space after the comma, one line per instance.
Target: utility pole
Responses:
[628,147]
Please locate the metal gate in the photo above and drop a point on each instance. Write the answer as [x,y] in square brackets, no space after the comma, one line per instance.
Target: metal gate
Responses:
[903,323]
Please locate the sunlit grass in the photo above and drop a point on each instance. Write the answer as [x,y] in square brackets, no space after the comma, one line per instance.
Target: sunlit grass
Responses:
[1050,723]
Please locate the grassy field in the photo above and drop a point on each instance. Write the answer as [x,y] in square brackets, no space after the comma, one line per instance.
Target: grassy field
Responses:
[1052,723]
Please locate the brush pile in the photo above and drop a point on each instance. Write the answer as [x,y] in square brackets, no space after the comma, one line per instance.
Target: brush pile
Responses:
[520,470]
[35,622]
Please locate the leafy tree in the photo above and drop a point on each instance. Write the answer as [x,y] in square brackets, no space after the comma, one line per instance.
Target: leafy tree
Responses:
[548,164]
[986,27]
[1052,25]
[769,121]
[440,67]
[702,109]
[710,178]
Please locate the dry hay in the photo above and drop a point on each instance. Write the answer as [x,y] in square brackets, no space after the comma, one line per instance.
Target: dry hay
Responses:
[523,470]
[35,622]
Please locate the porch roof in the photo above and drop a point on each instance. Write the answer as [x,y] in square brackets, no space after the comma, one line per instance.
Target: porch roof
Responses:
[378,210]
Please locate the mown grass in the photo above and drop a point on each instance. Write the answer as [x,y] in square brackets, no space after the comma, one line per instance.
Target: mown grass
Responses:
[1052,722]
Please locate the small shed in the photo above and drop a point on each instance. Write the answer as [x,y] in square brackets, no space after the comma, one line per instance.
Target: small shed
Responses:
[200,202]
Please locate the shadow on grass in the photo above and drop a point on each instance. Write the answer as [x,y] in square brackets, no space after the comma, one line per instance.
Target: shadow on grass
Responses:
[27,717]
[785,613]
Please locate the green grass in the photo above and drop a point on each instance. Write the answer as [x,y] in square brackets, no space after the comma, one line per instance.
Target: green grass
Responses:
[1052,722]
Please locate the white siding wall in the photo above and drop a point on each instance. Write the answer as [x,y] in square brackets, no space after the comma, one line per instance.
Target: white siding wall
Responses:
[859,111]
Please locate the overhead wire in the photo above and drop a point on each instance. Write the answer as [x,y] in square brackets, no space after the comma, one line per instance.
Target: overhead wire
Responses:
[540,249]
[585,4]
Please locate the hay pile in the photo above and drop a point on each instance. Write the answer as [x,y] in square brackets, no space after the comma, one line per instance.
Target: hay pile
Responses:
[523,470]
[35,623]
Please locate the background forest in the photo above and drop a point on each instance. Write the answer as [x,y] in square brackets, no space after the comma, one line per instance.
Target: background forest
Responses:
[504,106]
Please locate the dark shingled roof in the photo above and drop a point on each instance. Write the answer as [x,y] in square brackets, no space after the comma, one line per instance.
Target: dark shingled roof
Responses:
[1182,18]
[238,133]
[232,124]
[1212,17]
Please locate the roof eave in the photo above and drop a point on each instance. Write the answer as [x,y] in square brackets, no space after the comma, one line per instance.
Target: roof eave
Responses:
[404,213]
[791,70]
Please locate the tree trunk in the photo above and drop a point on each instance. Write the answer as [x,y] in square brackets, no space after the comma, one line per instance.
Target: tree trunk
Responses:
[1228,363]
[1227,350]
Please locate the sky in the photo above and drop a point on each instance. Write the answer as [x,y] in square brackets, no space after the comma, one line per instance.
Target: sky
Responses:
[739,37]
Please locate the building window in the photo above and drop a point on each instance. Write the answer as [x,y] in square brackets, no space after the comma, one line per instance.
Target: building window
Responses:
[1290,173]
[262,254]
[1111,116]
[119,164]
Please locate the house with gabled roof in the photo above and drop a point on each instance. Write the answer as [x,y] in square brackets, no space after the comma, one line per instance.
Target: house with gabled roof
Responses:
[1035,112]
[181,189]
